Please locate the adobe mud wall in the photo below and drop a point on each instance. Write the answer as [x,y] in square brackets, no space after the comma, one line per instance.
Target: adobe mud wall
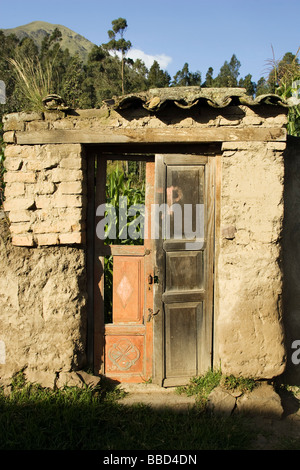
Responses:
[248,300]
[43,308]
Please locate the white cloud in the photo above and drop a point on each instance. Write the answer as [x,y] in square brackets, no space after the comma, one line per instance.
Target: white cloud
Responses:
[148,59]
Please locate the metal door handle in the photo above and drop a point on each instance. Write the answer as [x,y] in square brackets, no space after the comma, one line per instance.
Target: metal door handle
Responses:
[151,314]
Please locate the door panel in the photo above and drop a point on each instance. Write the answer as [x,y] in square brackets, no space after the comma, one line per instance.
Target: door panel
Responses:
[124,355]
[128,287]
[182,339]
[184,263]
[184,270]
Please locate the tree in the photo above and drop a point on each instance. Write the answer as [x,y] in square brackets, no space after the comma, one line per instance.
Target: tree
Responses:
[102,72]
[282,79]
[8,46]
[209,81]
[136,75]
[248,84]
[157,78]
[119,27]
[284,71]
[229,73]
[71,88]
[186,78]
[262,87]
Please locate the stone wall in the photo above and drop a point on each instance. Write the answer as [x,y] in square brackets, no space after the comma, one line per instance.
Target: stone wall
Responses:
[45,194]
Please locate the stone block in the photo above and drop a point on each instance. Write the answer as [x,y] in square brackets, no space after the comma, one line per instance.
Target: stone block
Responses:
[228,122]
[75,163]
[45,379]
[280,146]
[275,121]
[59,175]
[13,125]
[53,115]
[18,203]
[71,187]
[44,201]
[31,116]
[13,150]
[62,124]
[57,225]
[20,228]
[68,200]
[20,177]
[9,137]
[71,238]
[262,401]
[14,189]
[91,381]
[44,187]
[221,402]
[23,240]
[22,117]
[13,164]
[252,121]
[47,239]
[69,379]
[19,216]
[37,126]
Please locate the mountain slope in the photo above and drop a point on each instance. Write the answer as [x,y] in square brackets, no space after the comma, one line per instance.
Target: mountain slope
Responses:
[37,30]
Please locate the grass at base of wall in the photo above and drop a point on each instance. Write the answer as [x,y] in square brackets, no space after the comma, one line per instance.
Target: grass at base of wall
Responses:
[202,385]
[33,418]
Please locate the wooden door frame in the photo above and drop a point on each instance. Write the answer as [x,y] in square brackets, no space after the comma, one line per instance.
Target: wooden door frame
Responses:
[95,322]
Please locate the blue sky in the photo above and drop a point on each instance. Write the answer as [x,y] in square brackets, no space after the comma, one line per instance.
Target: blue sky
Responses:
[201,33]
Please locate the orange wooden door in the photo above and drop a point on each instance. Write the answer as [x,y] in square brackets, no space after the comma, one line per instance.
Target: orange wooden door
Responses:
[123,345]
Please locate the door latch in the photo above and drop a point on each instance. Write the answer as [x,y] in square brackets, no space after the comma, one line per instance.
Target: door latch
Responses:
[151,314]
[152,279]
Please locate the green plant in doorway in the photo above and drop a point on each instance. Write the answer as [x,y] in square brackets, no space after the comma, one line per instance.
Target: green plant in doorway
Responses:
[120,185]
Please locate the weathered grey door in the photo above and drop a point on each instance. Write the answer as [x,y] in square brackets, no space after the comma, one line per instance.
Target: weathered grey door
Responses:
[184,267]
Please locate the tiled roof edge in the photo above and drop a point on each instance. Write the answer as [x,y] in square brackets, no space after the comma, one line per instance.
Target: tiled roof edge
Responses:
[187,97]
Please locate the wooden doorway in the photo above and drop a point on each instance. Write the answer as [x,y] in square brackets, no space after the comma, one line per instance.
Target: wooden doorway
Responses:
[161,324]
[184,265]
[123,298]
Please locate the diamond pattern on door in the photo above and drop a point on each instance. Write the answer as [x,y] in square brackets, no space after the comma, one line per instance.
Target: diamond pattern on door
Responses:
[128,286]
[124,290]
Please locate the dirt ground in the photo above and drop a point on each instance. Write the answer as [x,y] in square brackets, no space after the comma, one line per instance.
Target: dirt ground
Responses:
[273,433]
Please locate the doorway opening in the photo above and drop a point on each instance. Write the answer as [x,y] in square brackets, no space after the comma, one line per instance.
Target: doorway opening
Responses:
[153,296]
[124,211]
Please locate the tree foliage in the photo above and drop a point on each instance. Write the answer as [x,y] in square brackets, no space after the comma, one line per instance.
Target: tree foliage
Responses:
[119,27]
[186,78]
[109,71]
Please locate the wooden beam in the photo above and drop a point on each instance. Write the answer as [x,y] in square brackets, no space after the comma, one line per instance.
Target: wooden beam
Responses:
[150,136]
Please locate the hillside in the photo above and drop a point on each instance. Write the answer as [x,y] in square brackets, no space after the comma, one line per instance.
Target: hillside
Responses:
[38,29]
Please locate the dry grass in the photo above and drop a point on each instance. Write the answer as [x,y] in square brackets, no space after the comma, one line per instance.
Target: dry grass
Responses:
[34,80]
